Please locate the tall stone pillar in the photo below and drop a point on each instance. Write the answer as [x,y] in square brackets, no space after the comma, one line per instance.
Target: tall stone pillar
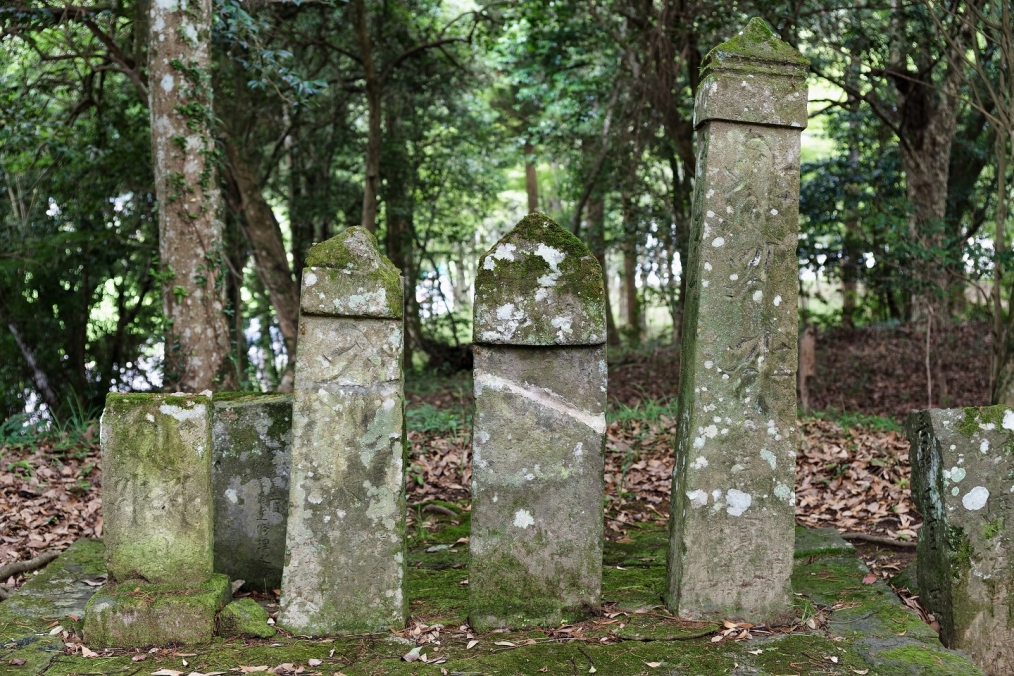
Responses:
[345,539]
[539,425]
[731,525]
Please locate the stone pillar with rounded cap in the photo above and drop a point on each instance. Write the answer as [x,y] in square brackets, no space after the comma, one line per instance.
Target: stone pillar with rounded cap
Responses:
[538,429]
[344,565]
[732,518]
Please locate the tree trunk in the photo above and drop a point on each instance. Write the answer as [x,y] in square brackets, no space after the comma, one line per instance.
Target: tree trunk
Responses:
[374,92]
[400,236]
[265,237]
[190,232]
[531,179]
[597,244]
[236,247]
[630,269]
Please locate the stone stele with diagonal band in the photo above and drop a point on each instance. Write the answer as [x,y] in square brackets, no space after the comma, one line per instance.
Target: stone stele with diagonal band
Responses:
[538,437]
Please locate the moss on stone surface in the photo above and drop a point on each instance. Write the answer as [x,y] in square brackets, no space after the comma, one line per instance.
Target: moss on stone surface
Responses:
[519,293]
[870,624]
[351,261]
[756,42]
[245,618]
[135,614]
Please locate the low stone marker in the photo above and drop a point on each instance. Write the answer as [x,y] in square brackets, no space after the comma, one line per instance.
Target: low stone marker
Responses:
[158,524]
[963,484]
[539,425]
[345,543]
[730,551]
[252,449]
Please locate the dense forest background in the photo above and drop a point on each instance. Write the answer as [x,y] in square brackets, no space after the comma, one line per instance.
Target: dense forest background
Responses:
[438,124]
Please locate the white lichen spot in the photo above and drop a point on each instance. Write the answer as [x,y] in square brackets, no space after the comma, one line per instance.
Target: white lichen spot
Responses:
[182,414]
[976,498]
[710,194]
[774,212]
[957,474]
[955,491]
[523,518]
[230,495]
[717,242]
[315,497]
[711,214]
[738,501]
[563,324]
[758,295]
[777,301]
[309,279]
[697,498]
[984,446]
[699,442]
[705,283]
[167,83]
[553,257]
[700,463]
[707,266]
[709,364]
[149,417]
[733,277]
[1008,420]
[769,456]
[711,431]
[578,450]
[785,493]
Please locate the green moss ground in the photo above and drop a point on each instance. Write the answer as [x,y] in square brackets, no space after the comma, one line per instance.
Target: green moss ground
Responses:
[866,627]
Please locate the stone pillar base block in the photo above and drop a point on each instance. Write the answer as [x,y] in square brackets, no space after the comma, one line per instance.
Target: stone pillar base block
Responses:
[245,618]
[135,614]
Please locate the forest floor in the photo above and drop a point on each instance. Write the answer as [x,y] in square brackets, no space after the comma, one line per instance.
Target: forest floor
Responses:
[852,472]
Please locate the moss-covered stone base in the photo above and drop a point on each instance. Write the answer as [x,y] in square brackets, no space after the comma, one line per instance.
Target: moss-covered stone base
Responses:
[861,628]
[246,619]
[133,615]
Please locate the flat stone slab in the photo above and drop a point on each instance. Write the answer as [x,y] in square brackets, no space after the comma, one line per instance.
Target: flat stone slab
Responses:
[250,476]
[819,541]
[61,590]
[135,614]
[864,632]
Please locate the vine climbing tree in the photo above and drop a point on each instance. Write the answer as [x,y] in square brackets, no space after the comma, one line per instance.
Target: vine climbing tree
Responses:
[186,186]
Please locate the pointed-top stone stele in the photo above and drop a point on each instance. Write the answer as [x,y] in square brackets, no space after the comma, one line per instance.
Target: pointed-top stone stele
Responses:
[539,285]
[753,77]
[347,276]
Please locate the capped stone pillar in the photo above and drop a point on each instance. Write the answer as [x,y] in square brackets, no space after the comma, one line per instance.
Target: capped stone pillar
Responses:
[731,524]
[963,485]
[538,430]
[159,524]
[345,540]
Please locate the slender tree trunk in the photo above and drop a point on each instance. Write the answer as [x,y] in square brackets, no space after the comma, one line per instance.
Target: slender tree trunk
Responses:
[1002,375]
[630,269]
[531,179]
[190,232]
[42,384]
[237,251]
[597,244]
[265,237]
[374,93]
[400,236]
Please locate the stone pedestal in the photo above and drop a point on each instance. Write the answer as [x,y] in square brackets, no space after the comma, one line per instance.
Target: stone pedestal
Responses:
[252,439]
[345,541]
[730,552]
[539,425]
[963,484]
[158,523]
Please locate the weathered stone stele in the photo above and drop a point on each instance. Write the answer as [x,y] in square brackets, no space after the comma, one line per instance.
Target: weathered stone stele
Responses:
[730,551]
[345,541]
[963,485]
[158,524]
[539,424]
[252,439]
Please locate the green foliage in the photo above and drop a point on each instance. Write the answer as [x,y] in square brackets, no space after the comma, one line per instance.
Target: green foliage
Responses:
[847,419]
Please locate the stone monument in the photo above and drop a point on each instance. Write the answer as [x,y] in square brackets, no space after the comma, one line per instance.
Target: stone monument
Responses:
[345,541]
[539,426]
[731,524]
